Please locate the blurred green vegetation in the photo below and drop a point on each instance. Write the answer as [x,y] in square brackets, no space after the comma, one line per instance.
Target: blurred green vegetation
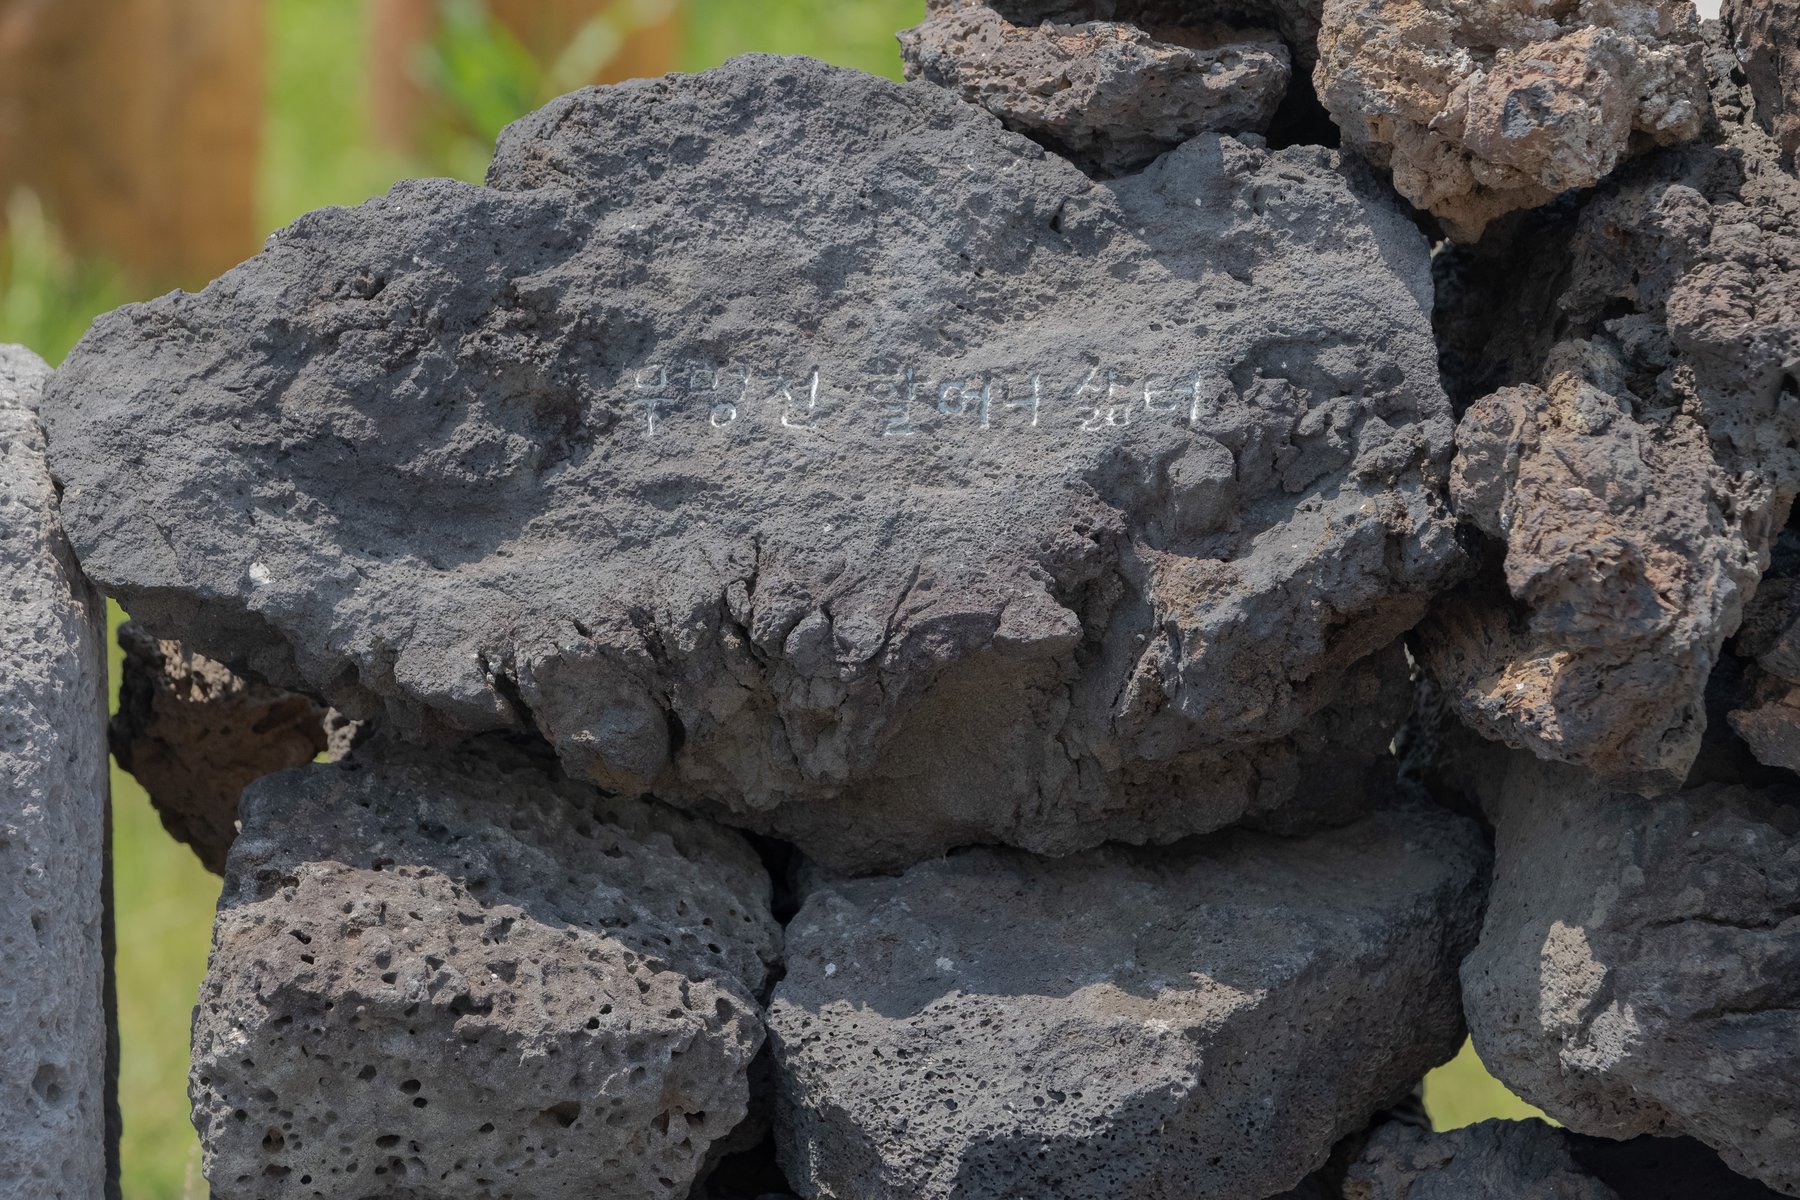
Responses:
[319,150]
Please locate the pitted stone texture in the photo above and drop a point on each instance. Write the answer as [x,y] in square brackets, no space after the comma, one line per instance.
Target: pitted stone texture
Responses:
[1767,707]
[53,788]
[807,449]
[1104,92]
[194,735]
[1635,475]
[1639,970]
[1481,107]
[1766,36]
[1493,1160]
[1185,1022]
[1530,1160]
[435,976]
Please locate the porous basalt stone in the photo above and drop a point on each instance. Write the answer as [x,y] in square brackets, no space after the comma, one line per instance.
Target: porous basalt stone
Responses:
[1185,1022]
[1481,107]
[1105,92]
[194,734]
[450,976]
[53,808]
[808,450]
[1639,969]
[1513,1160]
[1765,34]
[1634,469]
[1492,1160]
[1766,697]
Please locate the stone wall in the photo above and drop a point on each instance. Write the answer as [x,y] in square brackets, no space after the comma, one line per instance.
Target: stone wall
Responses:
[1064,628]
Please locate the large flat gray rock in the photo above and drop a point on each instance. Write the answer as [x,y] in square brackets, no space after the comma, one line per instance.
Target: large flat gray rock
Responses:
[1194,1022]
[53,805]
[808,449]
[1639,970]
[448,976]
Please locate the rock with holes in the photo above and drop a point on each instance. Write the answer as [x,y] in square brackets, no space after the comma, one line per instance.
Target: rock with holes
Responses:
[1633,462]
[1106,92]
[1511,1160]
[1481,107]
[809,450]
[194,734]
[1639,971]
[1766,37]
[1183,1023]
[451,976]
[53,804]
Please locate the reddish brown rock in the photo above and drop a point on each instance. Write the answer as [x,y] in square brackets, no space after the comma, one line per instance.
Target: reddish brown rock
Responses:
[1633,475]
[1481,107]
[195,734]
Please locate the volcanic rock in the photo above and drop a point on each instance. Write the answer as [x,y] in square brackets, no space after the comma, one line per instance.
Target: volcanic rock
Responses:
[449,975]
[1106,92]
[1639,969]
[194,734]
[1511,1160]
[1766,36]
[1195,1021]
[808,450]
[1635,466]
[54,1092]
[1481,107]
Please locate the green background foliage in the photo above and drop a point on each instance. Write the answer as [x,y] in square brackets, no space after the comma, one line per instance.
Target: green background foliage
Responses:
[319,151]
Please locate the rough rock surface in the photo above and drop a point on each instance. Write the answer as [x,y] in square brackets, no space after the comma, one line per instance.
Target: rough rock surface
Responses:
[1530,1160]
[1639,970]
[1105,92]
[194,735]
[808,449]
[53,804]
[1766,36]
[441,976]
[1481,107]
[1195,1021]
[1637,465]
[1766,706]
[1493,1160]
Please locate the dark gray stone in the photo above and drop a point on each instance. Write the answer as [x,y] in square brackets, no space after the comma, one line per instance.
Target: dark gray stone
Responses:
[1201,1021]
[1639,970]
[448,976]
[809,450]
[1766,36]
[1110,93]
[53,806]
[1531,1160]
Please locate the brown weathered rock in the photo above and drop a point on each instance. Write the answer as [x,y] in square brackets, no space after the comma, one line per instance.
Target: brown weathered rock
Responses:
[1481,107]
[1106,92]
[1634,473]
[1639,968]
[1766,36]
[194,734]
[452,976]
